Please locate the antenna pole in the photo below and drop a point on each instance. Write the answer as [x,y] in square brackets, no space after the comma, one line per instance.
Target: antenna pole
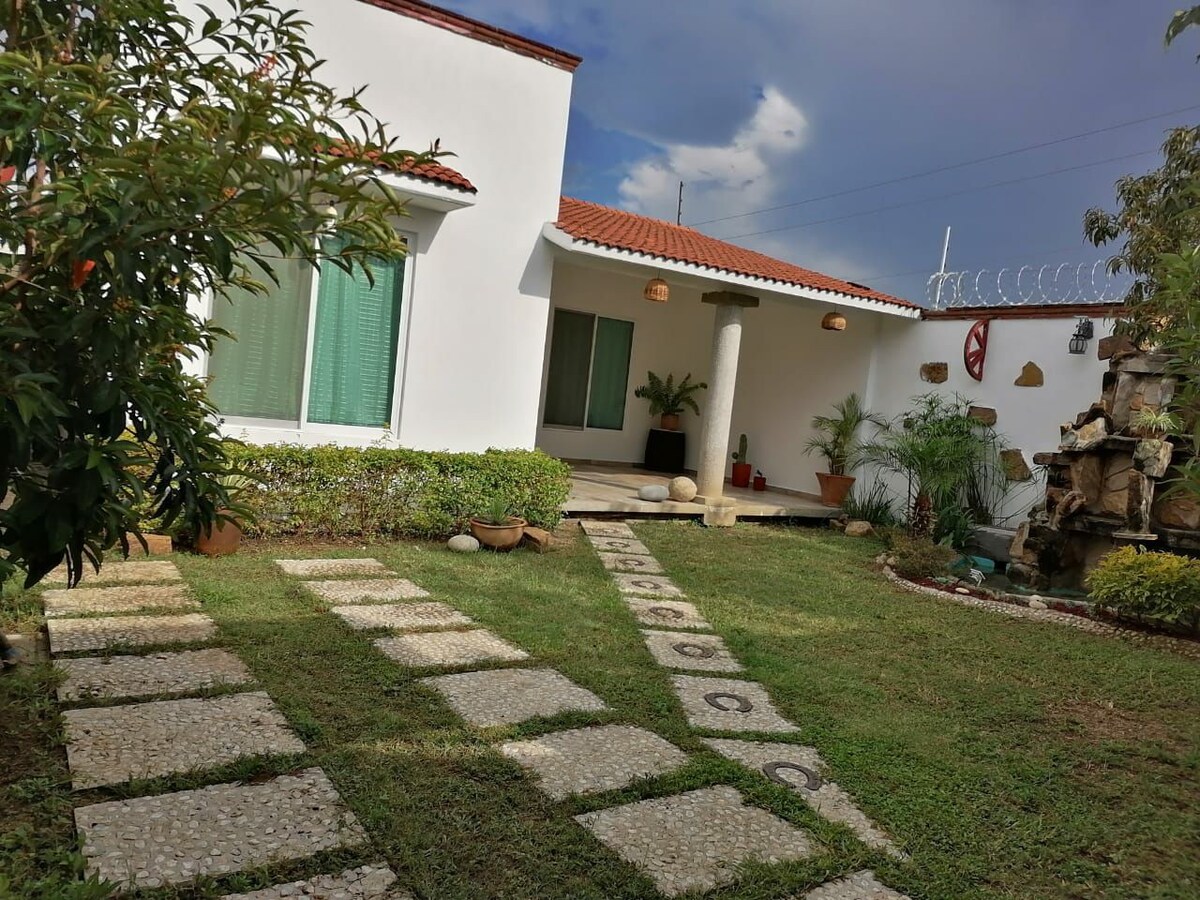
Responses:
[937,297]
[679,207]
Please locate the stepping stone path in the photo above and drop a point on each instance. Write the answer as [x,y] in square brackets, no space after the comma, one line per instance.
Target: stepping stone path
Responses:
[363,883]
[331,568]
[404,616]
[365,590]
[509,696]
[122,572]
[449,648]
[674,840]
[693,841]
[173,838]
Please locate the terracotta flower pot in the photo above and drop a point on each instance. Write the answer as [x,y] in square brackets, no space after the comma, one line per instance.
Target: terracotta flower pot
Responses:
[834,488]
[224,539]
[499,537]
[741,474]
[669,421]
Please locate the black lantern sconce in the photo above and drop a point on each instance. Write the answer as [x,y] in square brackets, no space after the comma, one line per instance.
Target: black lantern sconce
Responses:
[1084,331]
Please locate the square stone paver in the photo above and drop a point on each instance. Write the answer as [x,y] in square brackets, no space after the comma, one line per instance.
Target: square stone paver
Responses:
[859,886]
[646,585]
[508,696]
[214,830]
[365,590]
[113,744]
[449,648]
[69,635]
[589,760]
[598,528]
[158,673]
[803,770]
[121,571]
[684,650]
[668,613]
[364,883]
[332,568]
[620,545]
[727,704]
[695,841]
[402,616]
[123,599]
[631,562]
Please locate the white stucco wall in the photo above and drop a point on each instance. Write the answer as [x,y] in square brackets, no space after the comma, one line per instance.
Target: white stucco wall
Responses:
[472,366]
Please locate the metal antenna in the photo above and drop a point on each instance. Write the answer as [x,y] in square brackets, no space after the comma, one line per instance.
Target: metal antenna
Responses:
[937,300]
[679,207]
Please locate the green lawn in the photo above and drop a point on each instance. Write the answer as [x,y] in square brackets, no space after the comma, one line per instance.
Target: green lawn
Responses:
[1007,758]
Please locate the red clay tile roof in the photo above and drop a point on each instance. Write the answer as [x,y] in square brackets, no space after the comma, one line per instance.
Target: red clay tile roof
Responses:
[480,31]
[429,170]
[622,230]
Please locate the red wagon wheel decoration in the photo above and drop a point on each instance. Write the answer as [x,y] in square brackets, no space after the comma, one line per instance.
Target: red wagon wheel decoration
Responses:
[975,349]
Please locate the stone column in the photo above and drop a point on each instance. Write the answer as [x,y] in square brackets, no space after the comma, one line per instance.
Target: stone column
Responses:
[722,382]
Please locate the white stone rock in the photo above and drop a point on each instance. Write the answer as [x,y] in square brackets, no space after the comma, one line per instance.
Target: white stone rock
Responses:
[1037,603]
[961,590]
[655,493]
[682,489]
[463,543]
[859,529]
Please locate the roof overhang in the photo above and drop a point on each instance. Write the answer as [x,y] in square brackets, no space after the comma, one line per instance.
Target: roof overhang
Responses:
[708,275]
[425,194]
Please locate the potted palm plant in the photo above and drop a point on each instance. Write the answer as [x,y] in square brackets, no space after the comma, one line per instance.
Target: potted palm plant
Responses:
[496,527]
[225,535]
[668,399]
[837,440]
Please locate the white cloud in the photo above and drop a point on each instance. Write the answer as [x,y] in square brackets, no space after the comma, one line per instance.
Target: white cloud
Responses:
[743,173]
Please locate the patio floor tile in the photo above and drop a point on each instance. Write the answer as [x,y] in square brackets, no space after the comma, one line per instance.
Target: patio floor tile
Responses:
[139,676]
[802,769]
[727,704]
[365,590]
[364,883]
[684,650]
[113,744]
[631,562]
[402,616]
[620,545]
[332,568]
[68,635]
[122,571]
[589,760]
[113,600]
[646,585]
[694,841]
[859,886]
[214,830]
[669,613]
[508,696]
[449,648]
[599,528]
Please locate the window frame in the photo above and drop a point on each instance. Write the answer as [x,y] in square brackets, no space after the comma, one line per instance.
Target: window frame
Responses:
[587,397]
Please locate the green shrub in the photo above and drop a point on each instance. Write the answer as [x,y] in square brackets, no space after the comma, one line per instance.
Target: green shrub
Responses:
[919,557]
[379,493]
[1151,585]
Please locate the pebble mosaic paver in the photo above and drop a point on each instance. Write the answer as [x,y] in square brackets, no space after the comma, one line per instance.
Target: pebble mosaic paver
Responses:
[126,598]
[139,676]
[684,650]
[694,841]
[69,635]
[726,704]
[620,545]
[332,568]
[113,744]
[802,770]
[449,648]
[629,562]
[403,616]
[121,571]
[171,838]
[363,883]
[589,760]
[859,886]
[508,696]
[669,613]
[646,585]
[366,590]
[597,528]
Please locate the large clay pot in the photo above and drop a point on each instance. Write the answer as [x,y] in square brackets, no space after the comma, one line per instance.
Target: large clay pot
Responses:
[834,488]
[669,421]
[741,474]
[224,539]
[499,537]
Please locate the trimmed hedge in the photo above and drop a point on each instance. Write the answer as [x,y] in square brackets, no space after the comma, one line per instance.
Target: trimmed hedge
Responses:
[380,493]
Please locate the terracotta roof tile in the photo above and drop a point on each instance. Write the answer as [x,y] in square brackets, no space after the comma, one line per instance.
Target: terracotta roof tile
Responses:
[620,230]
[429,170]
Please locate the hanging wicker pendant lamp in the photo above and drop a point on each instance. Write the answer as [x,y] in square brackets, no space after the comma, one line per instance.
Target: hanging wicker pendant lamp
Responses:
[657,291]
[834,321]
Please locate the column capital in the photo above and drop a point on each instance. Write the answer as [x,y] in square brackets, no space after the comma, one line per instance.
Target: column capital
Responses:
[729,298]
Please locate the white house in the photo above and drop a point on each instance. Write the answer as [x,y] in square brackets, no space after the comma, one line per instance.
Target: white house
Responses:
[517,318]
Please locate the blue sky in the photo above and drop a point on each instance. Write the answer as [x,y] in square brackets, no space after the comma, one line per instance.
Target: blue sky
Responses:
[761,103]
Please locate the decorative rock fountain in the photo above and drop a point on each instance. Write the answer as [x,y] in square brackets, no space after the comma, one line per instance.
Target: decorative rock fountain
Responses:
[1104,484]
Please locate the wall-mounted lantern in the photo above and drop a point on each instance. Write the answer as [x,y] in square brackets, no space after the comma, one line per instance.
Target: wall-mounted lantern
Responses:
[1084,331]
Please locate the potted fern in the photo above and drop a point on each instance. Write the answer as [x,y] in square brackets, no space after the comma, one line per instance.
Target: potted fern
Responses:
[496,527]
[668,399]
[837,440]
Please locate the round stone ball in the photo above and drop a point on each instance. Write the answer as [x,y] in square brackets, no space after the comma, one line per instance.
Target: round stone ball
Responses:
[682,489]
[655,493]
[463,543]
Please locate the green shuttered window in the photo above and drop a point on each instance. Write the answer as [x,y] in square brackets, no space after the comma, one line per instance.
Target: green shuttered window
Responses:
[588,375]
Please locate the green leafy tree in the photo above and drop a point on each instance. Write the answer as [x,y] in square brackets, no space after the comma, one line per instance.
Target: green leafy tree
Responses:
[147,159]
